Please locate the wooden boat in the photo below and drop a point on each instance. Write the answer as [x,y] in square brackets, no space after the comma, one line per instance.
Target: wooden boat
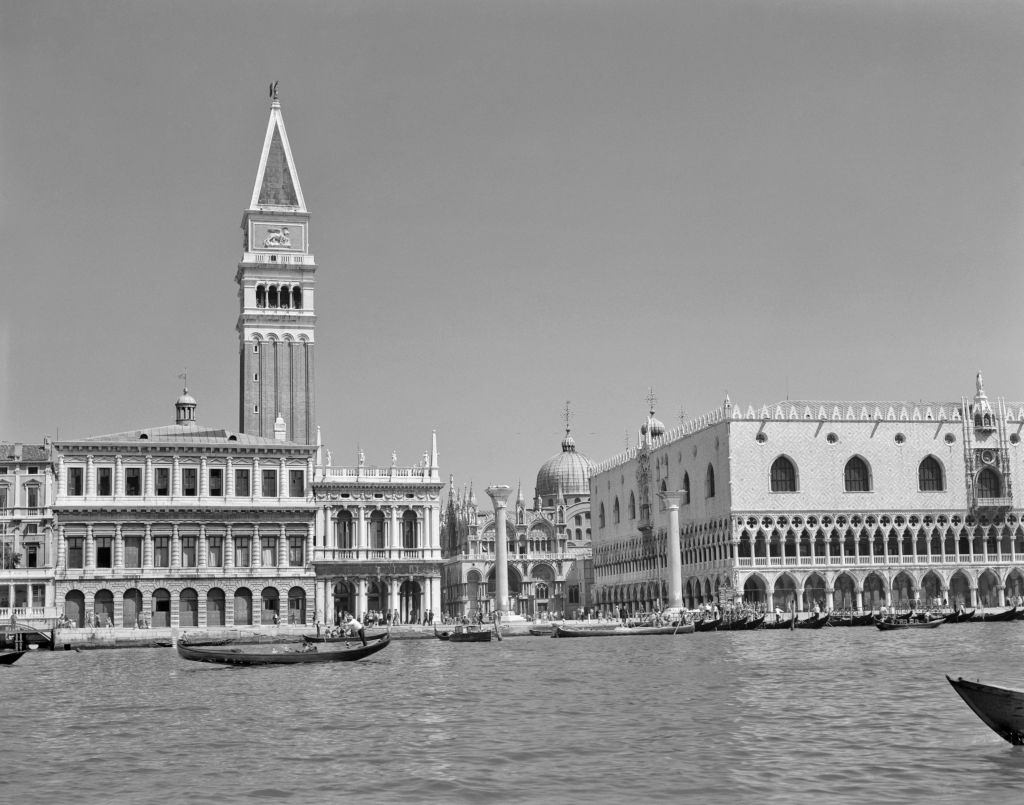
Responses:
[863,620]
[312,638]
[994,617]
[734,624]
[282,655]
[959,617]
[708,625]
[542,631]
[816,621]
[1001,708]
[753,623]
[471,633]
[10,657]
[888,626]
[622,631]
[783,624]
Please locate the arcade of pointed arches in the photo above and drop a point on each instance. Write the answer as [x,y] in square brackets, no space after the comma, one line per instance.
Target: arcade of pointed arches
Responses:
[534,588]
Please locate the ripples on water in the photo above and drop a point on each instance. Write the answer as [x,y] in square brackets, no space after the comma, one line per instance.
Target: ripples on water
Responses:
[837,716]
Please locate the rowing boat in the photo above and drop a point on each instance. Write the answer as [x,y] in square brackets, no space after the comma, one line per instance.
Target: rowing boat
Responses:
[621,631]
[889,626]
[280,655]
[1001,708]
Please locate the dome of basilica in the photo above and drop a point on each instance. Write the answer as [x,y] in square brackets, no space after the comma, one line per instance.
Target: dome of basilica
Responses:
[569,471]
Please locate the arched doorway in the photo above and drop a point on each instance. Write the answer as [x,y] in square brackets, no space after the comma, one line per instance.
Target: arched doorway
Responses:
[270,606]
[188,608]
[103,608]
[215,609]
[931,589]
[161,609]
[959,590]
[344,601]
[844,594]
[131,608]
[543,589]
[409,602]
[1015,588]
[784,592]
[903,594]
[874,592]
[243,607]
[296,605]
[754,591]
[988,589]
[74,608]
[814,593]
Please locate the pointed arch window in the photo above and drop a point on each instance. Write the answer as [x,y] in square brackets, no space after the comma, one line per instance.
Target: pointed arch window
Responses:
[989,484]
[686,488]
[783,475]
[709,482]
[664,489]
[632,506]
[615,511]
[600,515]
[929,475]
[856,476]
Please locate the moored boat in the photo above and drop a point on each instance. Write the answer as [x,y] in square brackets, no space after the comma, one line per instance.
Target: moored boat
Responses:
[280,655]
[1001,708]
[888,626]
[816,621]
[312,638]
[708,625]
[997,617]
[472,633]
[10,657]
[622,631]
[542,631]
[780,624]
[960,617]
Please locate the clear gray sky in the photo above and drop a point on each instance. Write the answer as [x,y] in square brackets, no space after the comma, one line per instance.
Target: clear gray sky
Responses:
[514,204]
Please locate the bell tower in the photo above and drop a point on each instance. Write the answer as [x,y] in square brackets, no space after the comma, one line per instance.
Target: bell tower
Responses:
[276,281]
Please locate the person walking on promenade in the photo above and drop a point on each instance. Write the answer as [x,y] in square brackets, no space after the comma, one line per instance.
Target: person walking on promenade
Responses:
[355,627]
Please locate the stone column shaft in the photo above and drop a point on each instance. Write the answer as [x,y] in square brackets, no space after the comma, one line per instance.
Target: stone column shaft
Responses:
[499,497]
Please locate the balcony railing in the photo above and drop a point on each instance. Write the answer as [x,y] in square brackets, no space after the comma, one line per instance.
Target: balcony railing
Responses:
[368,554]
[894,559]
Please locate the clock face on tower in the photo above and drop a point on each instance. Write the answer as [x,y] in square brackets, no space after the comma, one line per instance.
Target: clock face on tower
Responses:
[277,236]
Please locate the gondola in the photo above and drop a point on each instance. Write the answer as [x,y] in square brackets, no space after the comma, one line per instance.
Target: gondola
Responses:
[10,657]
[754,623]
[708,625]
[994,617]
[623,631]
[786,624]
[283,655]
[816,621]
[542,631]
[312,638]
[1001,708]
[960,617]
[889,626]
[734,624]
[472,633]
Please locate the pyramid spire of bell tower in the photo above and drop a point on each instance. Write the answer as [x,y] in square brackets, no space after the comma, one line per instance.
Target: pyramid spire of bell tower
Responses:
[276,281]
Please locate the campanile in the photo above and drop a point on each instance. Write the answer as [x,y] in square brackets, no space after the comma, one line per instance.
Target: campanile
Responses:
[276,280]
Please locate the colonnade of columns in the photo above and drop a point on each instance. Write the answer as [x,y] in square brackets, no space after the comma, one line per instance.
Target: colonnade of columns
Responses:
[336,544]
[428,598]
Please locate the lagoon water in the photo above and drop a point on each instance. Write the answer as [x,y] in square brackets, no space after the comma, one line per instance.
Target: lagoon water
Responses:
[847,715]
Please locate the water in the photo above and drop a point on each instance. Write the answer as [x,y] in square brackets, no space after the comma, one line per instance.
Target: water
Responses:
[838,716]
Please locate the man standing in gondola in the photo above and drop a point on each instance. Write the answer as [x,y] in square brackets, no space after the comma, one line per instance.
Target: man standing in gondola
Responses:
[355,627]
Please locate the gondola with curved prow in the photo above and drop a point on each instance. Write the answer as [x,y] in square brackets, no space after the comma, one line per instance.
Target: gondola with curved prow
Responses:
[280,655]
[1002,709]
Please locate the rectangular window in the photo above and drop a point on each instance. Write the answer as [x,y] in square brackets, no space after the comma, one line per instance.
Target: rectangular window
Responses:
[161,551]
[255,377]
[296,483]
[163,481]
[33,470]
[33,497]
[242,552]
[188,551]
[104,481]
[75,551]
[296,551]
[76,481]
[104,552]
[31,530]
[269,483]
[31,556]
[242,484]
[189,481]
[217,483]
[215,551]
[268,554]
[133,551]
[3,498]
[133,481]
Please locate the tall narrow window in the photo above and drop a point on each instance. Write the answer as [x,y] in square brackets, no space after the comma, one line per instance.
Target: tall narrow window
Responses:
[163,481]
[989,484]
[76,481]
[104,481]
[632,506]
[269,488]
[783,475]
[133,481]
[33,496]
[296,551]
[600,516]
[104,551]
[709,483]
[215,551]
[856,476]
[242,552]
[268,552]
[161,551]
[190,481]
[76,552]
[242,484]
[133,551]
[686,488]
[296,483]
[345,530]
[615,511]
[929,475]
[216,482]
[188,551]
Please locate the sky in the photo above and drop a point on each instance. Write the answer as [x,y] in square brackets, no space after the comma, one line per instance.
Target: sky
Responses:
[514,205]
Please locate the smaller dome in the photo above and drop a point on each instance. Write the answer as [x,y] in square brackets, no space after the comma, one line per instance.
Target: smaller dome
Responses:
[654,426]
[186,399]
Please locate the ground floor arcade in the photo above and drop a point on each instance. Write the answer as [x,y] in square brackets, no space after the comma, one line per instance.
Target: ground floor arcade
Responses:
[410,589]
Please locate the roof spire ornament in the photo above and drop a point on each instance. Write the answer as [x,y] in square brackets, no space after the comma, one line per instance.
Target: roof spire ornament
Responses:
[568,443]
[273,91]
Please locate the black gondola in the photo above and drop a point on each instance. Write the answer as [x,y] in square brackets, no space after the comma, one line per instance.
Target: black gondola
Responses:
[1001,708]
[995,617]
[708,625]
[960,617]
[816,621]
[786,624]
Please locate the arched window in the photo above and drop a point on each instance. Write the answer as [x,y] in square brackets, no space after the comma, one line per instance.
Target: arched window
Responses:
[709,482]
[261,296]
[664,489]
[856,476]
[600,515]
[989,484]
[272,297]
[345,540]
[632,506]
[929,475]
[783,475]
[615,511]
[686,488]
[297,297]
